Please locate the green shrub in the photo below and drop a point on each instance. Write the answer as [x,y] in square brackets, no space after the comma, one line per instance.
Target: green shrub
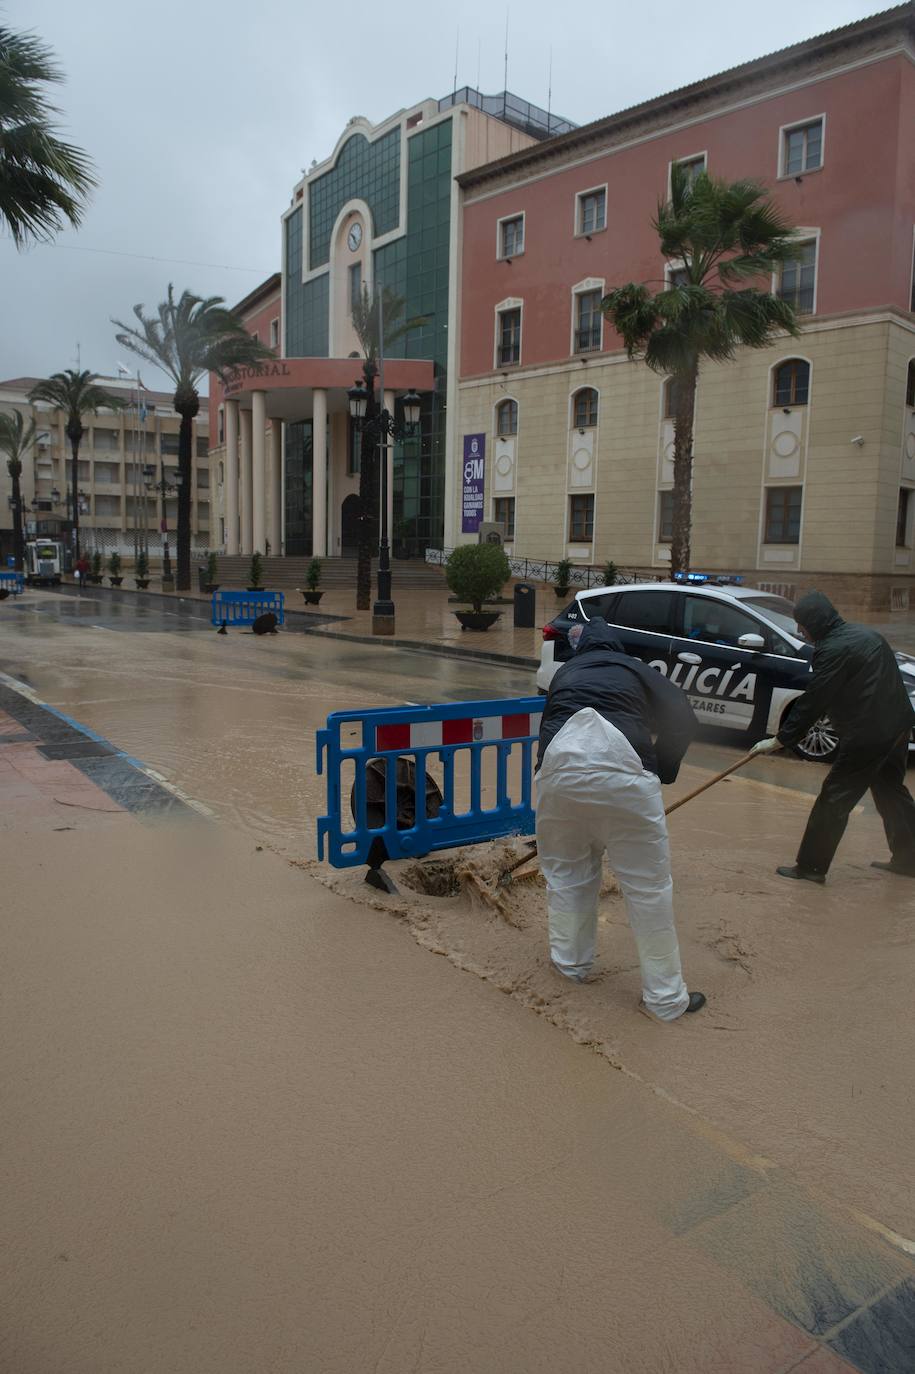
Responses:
[212,567]
[563,574]
[611,573]
[142,568]
[96,563]
[114,564]
[256,571]
[477,573]
[313,574]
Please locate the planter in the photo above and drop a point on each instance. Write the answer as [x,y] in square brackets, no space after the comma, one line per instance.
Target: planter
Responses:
[562,592]
[211,587]
[97,581]
[477,620]
[312,598]
[142,583]
[115,581]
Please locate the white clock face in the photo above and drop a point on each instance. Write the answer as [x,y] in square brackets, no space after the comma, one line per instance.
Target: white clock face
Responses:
[354,237]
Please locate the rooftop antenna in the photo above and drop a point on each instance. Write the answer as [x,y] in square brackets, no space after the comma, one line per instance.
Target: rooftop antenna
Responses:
[479,59]
[79,366]
[457,45]
[505,86]
[549,91]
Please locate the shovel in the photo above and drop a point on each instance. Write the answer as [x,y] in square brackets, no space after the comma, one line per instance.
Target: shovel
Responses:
[527,864]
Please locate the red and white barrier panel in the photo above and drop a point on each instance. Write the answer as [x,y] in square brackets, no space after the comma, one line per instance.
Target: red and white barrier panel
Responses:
[432,733]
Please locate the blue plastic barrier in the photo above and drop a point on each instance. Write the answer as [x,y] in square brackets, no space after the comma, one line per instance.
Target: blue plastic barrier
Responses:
[243,608]
[426,734]
[13,581]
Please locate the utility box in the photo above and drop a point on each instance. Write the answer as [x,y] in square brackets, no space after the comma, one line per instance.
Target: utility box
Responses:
[525,605]
[490,533]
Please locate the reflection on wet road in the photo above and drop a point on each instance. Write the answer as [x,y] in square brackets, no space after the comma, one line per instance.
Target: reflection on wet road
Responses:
[231,719]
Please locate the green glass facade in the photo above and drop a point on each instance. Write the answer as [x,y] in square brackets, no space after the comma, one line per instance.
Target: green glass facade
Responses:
[415,266]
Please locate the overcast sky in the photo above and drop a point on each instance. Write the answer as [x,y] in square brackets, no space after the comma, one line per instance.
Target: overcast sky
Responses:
[200,116]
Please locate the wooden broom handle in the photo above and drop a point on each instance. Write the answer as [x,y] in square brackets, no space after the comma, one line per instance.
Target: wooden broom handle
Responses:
[681,801]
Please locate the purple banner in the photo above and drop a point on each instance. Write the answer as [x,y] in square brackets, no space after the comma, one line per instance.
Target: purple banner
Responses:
[473,482]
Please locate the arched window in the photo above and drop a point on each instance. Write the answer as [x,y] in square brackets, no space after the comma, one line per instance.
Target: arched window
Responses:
[585,408]
[910,384]
[670,398]
[791,383]
[507,417]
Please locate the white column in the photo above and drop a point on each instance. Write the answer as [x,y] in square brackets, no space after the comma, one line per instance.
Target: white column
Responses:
[259,470]
[389,462]
[319,474]
[245,499]
[231,477]
[275,479]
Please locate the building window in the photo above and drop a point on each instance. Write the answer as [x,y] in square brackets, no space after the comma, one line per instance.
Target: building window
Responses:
[511,237]
[910,384]
[221,425]
[592,211]
[168,444]
[354,454]
[797,278]
[902,518]
[783,515]
[792,383]
[692,166]
[665,517]
[221,472]
[671,398]
[509,350]
[203,445]
[274,333]
[503,512]
[588,321]
[355,285]
[676,276]
[507,417]
[802,149]
[585,408]
[581,519]
[254,334]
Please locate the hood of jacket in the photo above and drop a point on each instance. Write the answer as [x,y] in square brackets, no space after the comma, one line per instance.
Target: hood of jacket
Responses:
[598,635]
[817,614]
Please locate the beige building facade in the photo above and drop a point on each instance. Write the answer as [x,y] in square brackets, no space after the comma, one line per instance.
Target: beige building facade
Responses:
[115,454]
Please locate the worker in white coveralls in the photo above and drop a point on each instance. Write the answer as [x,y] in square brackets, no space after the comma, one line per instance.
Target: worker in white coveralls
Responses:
[613,730]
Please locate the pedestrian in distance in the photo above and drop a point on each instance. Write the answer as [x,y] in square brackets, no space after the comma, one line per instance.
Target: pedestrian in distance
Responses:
[856,682]
[613,730]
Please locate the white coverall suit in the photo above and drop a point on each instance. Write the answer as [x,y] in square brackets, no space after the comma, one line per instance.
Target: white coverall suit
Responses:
[593,794]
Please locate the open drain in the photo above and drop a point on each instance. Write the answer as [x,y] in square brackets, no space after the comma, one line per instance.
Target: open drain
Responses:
[433,878]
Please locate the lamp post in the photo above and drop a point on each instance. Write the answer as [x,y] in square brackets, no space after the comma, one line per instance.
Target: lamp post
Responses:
[164,487]
[383,426]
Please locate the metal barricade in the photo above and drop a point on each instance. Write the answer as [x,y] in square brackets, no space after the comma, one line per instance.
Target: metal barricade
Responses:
[12,581]
[452,735]
[243,608]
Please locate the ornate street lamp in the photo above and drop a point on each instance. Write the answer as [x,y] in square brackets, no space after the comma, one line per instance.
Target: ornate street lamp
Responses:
[383,426]
[164,487]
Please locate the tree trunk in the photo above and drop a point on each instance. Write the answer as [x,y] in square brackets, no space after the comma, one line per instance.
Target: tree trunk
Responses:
[685,383]
[18,541]
[75,433]
[368,498]
[187,404]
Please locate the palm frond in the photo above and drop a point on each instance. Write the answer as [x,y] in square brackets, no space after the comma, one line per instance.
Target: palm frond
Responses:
[76,393]
[16,437]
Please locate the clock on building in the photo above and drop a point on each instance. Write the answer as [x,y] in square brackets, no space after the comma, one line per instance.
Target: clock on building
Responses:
[354,237]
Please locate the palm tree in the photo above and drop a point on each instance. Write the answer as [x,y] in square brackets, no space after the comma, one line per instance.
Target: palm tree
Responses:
[384,303]
[44,183]
[187,339]
[78,395]
[716,235]
[16,437]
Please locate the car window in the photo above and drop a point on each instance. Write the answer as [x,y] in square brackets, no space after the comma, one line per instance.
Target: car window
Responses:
[777,609]
[715,622]
[599,605]
[652,611]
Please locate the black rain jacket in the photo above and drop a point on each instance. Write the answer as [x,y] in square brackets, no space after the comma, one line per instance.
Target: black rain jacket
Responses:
[638,700]
[856,682]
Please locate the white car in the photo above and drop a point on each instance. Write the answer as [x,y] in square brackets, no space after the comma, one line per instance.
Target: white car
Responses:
[735,651]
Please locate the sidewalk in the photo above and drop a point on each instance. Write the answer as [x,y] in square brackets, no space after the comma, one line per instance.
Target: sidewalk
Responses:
[251,1125]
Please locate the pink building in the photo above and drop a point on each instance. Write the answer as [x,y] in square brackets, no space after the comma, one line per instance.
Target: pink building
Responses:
[794,480]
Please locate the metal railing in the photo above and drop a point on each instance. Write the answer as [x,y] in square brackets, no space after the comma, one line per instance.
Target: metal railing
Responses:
[543,570]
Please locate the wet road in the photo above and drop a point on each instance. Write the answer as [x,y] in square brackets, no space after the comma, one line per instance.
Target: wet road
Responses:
[231,719]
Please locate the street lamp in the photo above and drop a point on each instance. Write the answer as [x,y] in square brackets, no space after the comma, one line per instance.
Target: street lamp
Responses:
[383,427]
[164,488]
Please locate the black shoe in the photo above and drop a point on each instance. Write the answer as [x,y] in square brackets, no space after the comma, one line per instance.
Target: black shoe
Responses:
[696,1002]
[792,871]
[893,867]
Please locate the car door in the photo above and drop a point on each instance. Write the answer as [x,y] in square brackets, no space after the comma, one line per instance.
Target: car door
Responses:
[727,685]
[644,619]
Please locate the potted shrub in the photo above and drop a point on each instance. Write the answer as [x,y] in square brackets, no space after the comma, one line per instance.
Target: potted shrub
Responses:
[561,581]
[96,565]
[114,569]
[141,572]
[312,578]
[255,572]
[477,573]
[211,585]
[611,573]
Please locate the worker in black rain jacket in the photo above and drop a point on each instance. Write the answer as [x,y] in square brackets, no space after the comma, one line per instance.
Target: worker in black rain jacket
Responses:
[856,682]
[613,730]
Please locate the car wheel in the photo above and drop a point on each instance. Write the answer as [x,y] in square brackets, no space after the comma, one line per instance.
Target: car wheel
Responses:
[821,743]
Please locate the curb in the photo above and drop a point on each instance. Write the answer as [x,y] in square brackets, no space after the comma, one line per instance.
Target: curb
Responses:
[314,621]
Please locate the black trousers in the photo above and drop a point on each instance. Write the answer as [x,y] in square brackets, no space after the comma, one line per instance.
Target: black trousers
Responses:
[854,771]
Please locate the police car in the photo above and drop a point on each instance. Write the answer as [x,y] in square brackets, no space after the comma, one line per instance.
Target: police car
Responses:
[736,651]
